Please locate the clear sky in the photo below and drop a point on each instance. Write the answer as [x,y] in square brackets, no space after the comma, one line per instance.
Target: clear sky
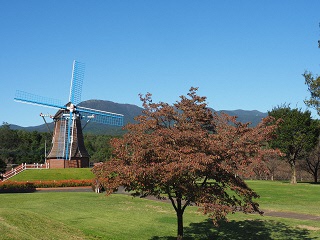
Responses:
[241,54]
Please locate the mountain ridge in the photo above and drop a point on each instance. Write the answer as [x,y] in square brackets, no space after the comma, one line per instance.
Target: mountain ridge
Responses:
[130,111]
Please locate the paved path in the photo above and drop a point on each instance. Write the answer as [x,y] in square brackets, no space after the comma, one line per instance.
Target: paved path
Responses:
[292,215]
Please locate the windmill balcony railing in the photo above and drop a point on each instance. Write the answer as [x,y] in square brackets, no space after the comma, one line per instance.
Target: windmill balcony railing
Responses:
[24,166]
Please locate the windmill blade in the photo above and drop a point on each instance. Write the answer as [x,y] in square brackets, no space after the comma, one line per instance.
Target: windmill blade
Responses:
[76,82]
[30,98]
[101,116]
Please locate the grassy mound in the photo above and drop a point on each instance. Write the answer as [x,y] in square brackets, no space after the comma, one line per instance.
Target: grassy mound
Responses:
[29,180]
[54,174]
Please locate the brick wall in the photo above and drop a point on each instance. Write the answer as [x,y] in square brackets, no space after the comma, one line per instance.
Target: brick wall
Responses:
[73,163]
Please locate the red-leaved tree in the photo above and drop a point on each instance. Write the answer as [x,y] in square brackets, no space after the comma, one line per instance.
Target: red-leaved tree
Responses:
[188,154]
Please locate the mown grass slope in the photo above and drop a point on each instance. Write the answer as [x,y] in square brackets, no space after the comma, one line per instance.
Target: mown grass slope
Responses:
[48,215]
[286,197]
[86,215]
[54,174]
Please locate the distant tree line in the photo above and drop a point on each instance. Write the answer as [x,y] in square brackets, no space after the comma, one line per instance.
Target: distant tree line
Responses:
[297,137]
[19,146]
[98,146]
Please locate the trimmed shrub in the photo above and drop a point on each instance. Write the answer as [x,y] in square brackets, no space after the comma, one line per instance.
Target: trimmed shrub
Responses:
[62,183]
[17,187]
[45,184]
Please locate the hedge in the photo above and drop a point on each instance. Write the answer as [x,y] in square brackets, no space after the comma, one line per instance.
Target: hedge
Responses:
[17,187]
[13,186]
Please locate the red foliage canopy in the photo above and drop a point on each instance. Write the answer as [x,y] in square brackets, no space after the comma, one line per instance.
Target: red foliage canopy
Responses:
[188,154]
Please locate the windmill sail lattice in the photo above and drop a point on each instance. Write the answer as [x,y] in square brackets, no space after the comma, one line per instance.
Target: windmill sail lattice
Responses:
[68,148]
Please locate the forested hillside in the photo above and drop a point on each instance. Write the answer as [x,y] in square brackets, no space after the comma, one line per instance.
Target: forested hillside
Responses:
[130,111]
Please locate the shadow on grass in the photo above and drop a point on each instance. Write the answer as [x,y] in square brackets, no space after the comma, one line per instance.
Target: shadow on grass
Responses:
[241,230]
[304,182]
[314,183]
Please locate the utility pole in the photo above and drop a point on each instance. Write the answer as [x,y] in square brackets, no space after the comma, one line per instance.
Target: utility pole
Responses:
[45,150]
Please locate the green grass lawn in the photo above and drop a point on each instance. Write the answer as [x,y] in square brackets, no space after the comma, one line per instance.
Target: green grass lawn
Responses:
[54,174]
[72,215]
[281,196]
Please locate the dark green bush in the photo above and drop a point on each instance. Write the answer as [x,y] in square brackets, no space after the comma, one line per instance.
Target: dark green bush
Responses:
[17,187]
[12,186]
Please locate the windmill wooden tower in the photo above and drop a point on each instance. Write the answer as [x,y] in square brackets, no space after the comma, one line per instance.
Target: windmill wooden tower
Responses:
[68,149]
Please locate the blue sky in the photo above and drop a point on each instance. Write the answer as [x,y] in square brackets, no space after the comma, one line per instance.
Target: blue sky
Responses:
[241,54]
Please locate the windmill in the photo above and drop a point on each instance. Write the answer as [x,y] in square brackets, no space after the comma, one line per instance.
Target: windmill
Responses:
[68,148]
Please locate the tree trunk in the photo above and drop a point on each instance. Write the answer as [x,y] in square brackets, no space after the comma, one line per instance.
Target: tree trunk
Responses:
[315,177]
[179,211]
[294,173]
[180,224]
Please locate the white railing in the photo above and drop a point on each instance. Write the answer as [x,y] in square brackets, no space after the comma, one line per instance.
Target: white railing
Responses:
[21,168]
[36,166]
